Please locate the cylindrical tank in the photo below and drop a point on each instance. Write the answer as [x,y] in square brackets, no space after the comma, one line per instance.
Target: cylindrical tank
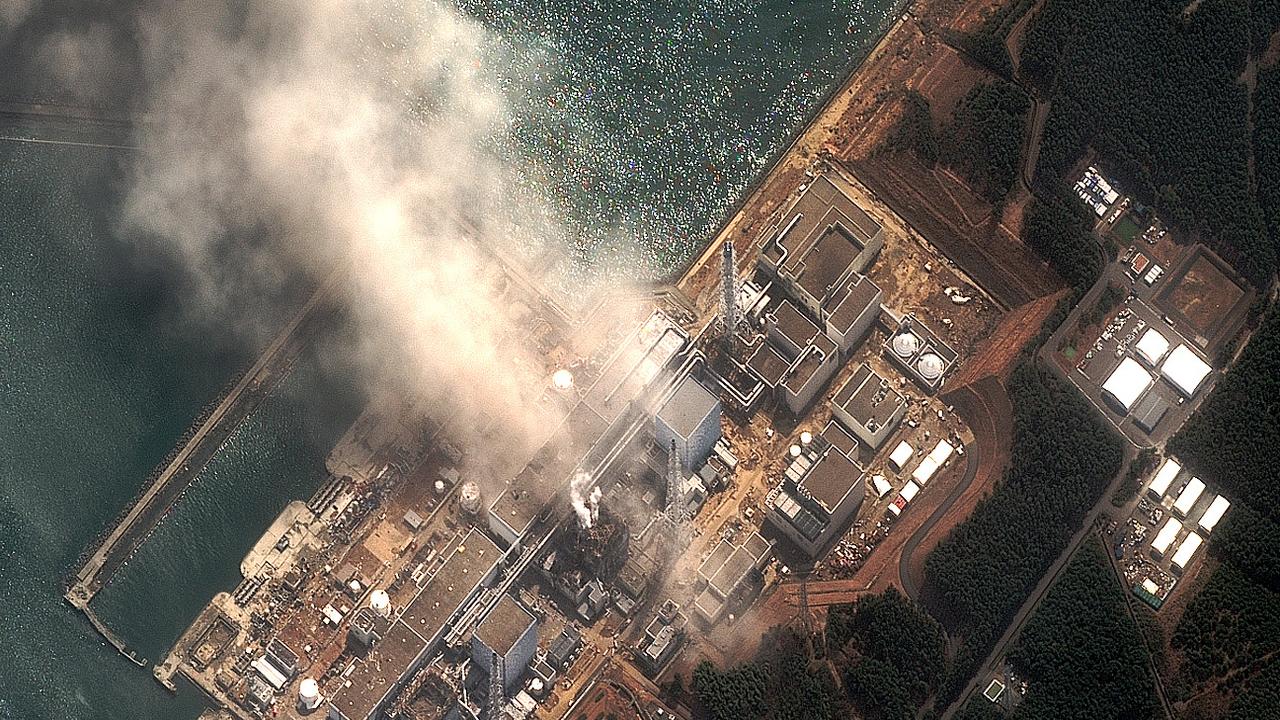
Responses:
[795,451]
[439,486]
[806,437]
[562,380]
[380,602]
[536,685]
[469,497]
[309,694]
[930,366]
[905,344]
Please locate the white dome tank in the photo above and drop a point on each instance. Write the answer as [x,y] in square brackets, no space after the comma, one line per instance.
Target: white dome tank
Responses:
[795,451]
[380,602]
[562,380]
[930,366]
[806,437]
[469,497]
[905,344]
[309,694]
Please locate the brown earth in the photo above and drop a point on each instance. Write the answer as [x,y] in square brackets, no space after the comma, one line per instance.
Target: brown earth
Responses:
[1205,296]
[1017,328]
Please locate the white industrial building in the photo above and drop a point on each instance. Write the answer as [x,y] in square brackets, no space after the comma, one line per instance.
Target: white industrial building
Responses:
[690,418]
[1209,520]
[1185,370]
[1164,477]
[1188,497]
[868,406]
[901,455]
[905,496]
[938,457]
[1164,538]
[1186,551]
[1151,347]
[510,632]
[1127,383]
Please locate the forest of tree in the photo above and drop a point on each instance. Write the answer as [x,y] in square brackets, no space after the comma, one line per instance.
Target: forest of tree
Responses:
[984,140]
[1055,227]
[1081,653]
[1154,90]
[913,132]
[1063,456]
[1233,439]
[1230,626]
[890,651]
[1260,699]
[780,684]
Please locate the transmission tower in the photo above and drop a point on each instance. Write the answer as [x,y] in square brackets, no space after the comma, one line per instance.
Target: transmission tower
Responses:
[729,293]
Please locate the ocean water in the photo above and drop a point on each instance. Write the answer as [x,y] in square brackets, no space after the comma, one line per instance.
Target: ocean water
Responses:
[645,121]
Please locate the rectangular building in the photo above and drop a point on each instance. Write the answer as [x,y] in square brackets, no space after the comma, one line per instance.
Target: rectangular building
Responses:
[690,418]
[1186,551]
[850,313]
[1164,538]
[820,243]
[813,357]
[869,406]
[1126,384]
[1209,520]
[920,353]
[510,632]
[1185,370]
[818,496]
[1188,497]
[1164,477]
[372,681]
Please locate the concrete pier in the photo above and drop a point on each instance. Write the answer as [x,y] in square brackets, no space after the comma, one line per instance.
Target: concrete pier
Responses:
[120,543]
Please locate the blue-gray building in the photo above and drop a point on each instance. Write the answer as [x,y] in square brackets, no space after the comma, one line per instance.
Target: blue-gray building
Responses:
[691,417]
[510,631]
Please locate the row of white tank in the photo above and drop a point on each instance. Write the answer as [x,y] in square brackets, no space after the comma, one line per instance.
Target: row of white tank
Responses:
[906,344]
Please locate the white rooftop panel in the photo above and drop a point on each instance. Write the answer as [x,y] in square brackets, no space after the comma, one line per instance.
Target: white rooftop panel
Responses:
[1127,383]
[1185,370]
[924,471]
[909,491]
[1164,538]
[941,452]
[1188,497]
[1216,510]
[882,486]
[1152,346]
[1164,477]
[901,455]
[1186,551]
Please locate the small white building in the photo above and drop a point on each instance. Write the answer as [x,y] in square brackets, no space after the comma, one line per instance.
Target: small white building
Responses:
[1209,520]
[1164,538]
[1127,383]
[1169,470]
[1151,347]
[1186,551]
[901,455]
[1188,497]
[1185,370]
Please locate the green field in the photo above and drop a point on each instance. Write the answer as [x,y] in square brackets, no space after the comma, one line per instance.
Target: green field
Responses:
[1126,230]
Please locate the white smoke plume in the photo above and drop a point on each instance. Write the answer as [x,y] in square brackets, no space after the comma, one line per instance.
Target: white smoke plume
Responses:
[586,513]
[289,138]
[593,501]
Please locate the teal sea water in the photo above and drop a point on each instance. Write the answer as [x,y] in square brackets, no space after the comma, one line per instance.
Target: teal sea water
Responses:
[647,121]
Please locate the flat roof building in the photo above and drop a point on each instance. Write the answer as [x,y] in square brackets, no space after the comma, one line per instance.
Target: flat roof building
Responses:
[726,574]
[1126,384]
[1188,497]
[371,681]
[901,455]
[1209,520]
[812,356]
[690,418]
[1164,538]
[1185,370]
[850,313]
[510,632]
[1151,347]
[819,244]
[820,492]
[1149,411]
[869,406]
[1186,551]
[1163,478]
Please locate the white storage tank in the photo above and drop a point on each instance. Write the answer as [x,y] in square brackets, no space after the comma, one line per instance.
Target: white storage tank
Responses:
[469,497]
[309,695]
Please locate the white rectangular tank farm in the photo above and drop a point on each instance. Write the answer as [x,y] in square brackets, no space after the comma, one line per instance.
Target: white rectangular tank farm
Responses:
[1188,497]
[1169,470]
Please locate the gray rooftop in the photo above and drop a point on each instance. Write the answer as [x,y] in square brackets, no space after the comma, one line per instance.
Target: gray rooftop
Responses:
[688,407]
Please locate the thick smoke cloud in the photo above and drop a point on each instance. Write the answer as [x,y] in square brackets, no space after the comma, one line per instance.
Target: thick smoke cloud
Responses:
[286,138]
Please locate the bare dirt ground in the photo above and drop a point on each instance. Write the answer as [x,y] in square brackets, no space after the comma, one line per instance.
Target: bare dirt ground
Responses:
[1205,295]
[997,354]
[1271,56]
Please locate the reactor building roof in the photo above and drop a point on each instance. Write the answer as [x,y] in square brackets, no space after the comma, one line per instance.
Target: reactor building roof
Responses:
[688,407]
[506,623]
[1185,370]
[869,404]
[1127,383]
